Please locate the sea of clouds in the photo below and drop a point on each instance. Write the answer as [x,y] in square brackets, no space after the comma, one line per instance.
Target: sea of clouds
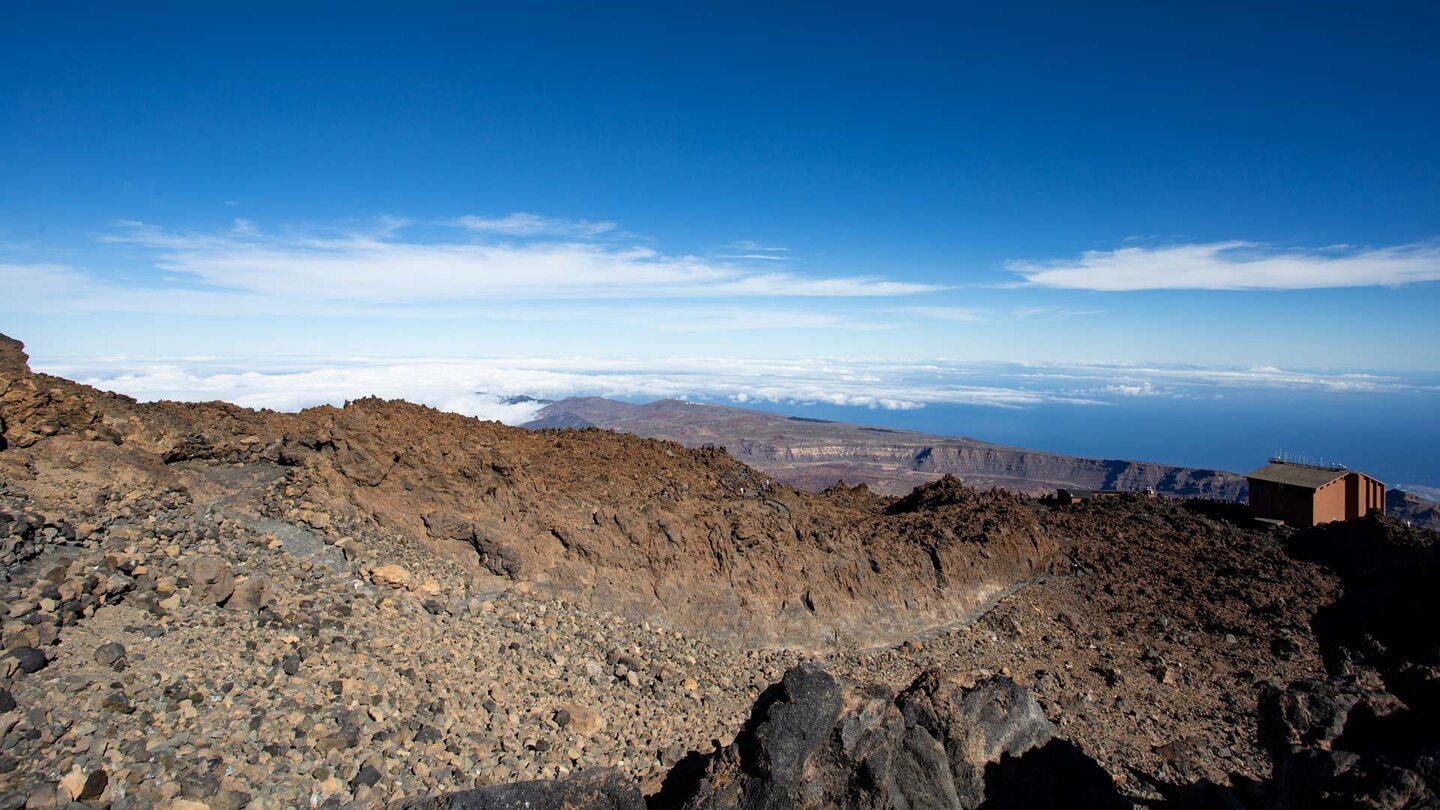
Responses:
[482,387]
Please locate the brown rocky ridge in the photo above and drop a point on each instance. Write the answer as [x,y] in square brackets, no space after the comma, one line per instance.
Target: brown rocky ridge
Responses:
[208,606]
[811,454]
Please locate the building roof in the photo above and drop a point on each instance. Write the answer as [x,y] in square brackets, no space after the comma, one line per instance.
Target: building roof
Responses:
[1299,475]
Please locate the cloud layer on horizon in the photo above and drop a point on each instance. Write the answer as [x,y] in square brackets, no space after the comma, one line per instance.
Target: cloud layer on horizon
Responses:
[475,387]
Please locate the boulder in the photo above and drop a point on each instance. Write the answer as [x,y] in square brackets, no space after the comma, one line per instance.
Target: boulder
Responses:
[818,741]
[210,579]
[28,659]
[392,575]
[111,654]
[253,593]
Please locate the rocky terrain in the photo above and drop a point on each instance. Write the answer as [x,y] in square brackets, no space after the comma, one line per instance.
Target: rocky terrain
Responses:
[206,606]
[812,454]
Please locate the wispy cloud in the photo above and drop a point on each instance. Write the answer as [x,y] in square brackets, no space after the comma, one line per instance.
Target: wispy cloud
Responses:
[248,270]
[1236,266]
[969,314]
[749,250]
[753,246]
[983,315]
[522,224]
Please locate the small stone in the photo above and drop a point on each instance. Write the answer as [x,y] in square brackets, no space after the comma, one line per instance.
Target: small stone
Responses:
[117,702]
[367,776]
[111,655]
[578,719]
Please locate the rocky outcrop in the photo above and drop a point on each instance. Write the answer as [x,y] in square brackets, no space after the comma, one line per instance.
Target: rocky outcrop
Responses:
[32,409]
[1347,744]
[817,741]
[14,361]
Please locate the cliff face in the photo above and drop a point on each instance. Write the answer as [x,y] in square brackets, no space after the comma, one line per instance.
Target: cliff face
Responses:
[813,454]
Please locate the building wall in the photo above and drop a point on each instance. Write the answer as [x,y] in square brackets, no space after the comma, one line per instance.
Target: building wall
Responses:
[1345,498]
[1291,504]
[1330,502]
[1363,493]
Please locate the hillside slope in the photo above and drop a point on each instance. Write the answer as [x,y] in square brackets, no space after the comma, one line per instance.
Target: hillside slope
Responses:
[207,606]
[690,538]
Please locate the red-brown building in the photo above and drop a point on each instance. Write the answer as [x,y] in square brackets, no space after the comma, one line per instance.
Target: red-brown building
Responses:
[1304,495]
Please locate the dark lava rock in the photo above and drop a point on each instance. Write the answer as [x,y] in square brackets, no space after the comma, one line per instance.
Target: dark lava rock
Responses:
[7,701]
[29,658]
[95,784]
[111,655]
[117,702]
[817,741]
[367,776]
[598,789]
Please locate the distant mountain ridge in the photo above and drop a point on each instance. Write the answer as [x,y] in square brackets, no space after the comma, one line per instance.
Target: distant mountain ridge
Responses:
[812,454]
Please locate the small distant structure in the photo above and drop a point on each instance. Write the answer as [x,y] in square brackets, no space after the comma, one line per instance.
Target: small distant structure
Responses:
[1304,495]
[1074,495]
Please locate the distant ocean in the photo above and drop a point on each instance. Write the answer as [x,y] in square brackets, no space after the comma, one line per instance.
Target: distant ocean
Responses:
[1394,435]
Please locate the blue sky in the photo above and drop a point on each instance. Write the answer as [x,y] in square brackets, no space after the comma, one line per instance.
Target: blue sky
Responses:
[1208,185]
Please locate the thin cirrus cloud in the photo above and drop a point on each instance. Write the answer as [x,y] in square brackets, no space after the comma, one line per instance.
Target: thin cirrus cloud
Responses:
[381,267]
[750,250]
[1235,265]
[981,315]
[522,224]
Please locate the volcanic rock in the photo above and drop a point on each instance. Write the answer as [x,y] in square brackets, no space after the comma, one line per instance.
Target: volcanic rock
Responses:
[817,741]
[210,578]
